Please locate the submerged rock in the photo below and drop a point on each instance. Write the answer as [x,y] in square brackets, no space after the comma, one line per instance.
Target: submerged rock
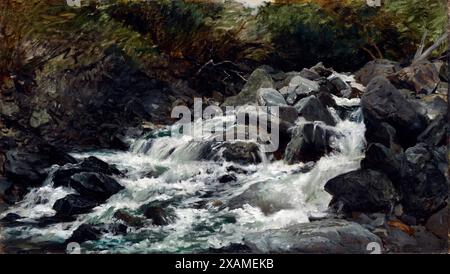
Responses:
[324,237]
[363,191]
[159,216]
[84,233]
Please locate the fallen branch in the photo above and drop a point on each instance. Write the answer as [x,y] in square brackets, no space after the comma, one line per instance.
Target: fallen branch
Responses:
[430,50]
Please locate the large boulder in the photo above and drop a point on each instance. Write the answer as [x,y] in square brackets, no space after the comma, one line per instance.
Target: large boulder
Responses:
[363,191]
[95,186]
[436,132]
[375,68]
[309,142]
[28,168]
[85,232]
[423,186]
[422,77]
[61,177]
[381,158]
[326,236]
[382,102]
[73,204]
[312,109]
[258,79]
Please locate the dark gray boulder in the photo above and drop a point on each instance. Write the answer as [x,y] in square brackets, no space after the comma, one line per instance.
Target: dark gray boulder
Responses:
[382,102]
[73,204]
[363,191]
[95,186]
[319,237]
[312,110]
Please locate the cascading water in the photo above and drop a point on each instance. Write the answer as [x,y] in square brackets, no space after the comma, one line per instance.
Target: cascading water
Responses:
[189,186]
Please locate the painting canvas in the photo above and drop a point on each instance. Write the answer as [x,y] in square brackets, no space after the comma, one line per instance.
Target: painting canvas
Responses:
[224,126]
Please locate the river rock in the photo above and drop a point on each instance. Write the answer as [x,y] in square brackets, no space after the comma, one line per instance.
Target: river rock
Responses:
[312,109]
[28,168]
[438,223]
[128,218]
[159,215]
[436,132]
[84,233]
[258,79]
[61,177]
[95,186]
[422,77]
[423,186]
[309,74]
[382,102]
[379,157]
[375,68]
[319,237]
[299,88]
[363,191]
[309,142]
[73,204]
[240,152]
[270,97]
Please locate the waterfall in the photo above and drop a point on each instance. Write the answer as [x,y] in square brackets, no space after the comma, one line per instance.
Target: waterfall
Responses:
[188,183]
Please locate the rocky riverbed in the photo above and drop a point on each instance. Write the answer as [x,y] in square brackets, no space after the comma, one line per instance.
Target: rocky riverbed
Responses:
[362,160]
[87,154]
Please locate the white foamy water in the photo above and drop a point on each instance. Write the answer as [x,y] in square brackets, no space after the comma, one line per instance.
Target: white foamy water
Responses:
[190,187]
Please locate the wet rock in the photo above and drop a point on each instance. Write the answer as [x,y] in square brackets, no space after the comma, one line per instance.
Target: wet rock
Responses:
[95,186]
[378,157]
[309,142]
[11,217]
[227,178]
[159,215]
[312,109]
[236,169]
[382,133]
[260,195]
[258,79]
[327,236]
[382,102]
[130,220]
[380,67]
[84,233]
[28,168]
[61,177]
[240,152]
[438,223]
[423,186]
[422,77]
[363,191]
[73,204]
[270,97]
[342,87]
[288,115]
[433,105]
[436,132]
